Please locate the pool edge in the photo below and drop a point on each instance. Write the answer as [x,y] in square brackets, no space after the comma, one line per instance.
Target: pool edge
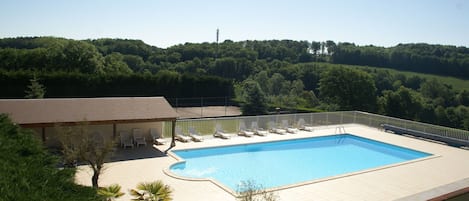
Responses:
[168,172]
[179,160]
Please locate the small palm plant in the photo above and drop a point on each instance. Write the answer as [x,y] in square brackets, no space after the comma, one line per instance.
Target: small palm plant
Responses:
[152,191]
[111,192]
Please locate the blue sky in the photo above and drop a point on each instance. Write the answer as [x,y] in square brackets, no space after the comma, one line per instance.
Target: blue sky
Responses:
[165,23]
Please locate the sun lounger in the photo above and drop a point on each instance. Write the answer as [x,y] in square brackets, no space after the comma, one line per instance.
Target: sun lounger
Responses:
[157,138]
[303,126]
[183,138]
[289,128]
[196,137]
[243,131]
[220,133]
[180,136]
[138,137]
[274,129]
[258,131]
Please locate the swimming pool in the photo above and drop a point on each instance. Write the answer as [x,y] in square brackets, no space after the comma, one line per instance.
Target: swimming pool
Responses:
[283,163]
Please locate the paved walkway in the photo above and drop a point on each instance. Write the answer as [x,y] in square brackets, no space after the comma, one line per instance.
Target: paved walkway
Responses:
[445,172]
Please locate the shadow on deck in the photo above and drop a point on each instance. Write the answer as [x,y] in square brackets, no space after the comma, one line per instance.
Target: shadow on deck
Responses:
[142,152]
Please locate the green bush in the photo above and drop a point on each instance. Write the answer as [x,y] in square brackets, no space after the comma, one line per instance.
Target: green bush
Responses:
[29,172]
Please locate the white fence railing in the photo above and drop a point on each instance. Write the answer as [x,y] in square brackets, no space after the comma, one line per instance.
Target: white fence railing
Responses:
[206,126]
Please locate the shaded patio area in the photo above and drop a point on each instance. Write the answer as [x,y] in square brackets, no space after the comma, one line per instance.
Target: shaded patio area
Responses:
[142,152]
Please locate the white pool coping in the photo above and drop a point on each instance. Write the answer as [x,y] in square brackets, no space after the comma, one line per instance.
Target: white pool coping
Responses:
[447,165]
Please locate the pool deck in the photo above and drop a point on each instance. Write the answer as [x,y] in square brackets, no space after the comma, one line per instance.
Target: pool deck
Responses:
[446,172]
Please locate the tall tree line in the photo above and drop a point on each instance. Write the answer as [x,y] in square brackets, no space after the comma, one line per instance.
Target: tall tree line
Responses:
[284,73]
[424,58]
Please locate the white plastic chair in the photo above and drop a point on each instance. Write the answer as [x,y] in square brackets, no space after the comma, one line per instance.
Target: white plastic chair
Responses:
[138,137]
[125,139]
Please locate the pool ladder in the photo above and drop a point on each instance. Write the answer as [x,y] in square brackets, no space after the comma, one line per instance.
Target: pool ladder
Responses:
[339,130]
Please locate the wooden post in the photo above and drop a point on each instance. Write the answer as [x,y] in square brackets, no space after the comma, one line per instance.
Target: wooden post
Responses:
[173,137]
[114,131]
[173,131]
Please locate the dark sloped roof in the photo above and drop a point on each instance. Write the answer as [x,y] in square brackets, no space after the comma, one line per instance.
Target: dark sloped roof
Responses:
[34,112]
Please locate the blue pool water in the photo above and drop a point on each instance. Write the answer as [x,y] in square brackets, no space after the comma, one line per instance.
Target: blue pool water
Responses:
[275,164]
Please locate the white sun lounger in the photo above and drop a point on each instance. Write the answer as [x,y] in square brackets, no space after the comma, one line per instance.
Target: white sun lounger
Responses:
[243,131]
[289,128]
[157,138]
[126,140]
[303,126]
[220,133]
[138,137]
[274,129]
[258,131]
[196,137]
[180,136]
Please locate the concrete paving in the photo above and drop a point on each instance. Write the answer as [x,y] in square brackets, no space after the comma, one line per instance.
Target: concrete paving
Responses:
[442,173]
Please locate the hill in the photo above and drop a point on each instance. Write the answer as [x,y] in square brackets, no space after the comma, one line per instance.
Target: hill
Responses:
[261,75]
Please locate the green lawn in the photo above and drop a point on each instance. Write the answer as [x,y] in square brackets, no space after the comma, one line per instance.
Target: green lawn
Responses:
[458,84]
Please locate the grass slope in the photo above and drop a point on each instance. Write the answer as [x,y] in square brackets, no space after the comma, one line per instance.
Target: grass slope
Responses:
[458,84]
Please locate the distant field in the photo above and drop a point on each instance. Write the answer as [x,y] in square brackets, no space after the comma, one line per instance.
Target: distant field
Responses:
[458,84]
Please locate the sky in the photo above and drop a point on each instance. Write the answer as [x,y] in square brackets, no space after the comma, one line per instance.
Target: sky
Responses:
[165,23]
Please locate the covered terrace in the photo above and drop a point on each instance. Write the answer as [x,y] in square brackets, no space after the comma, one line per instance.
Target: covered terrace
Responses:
[107,116]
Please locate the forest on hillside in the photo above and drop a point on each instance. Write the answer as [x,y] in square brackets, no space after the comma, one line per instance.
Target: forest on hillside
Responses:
[261,75]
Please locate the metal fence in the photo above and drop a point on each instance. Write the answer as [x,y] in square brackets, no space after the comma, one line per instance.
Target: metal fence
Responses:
[206,126]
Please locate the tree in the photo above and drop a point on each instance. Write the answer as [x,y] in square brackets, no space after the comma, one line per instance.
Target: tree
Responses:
[35,89]
[152,191]
[297,88]
[78,143]
[331,47]
[403,103]
[349,88]
[254,99]
[463,98]
[29,172]
[114,63]
[315,46]
[310,98]
[433,88]
[111,192]
[276,83]
[263,79]
[82,56]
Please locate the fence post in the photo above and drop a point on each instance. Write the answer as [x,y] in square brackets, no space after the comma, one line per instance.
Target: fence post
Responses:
[201,106]
[354,117]
[369,120]
[327,118]
[226,104]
